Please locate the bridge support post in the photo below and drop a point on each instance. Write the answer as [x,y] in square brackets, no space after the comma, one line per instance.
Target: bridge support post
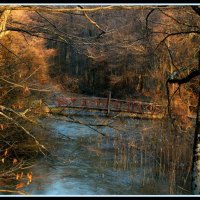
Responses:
[73,101]
[108,104]
[128,102]
[84,103]
[132,106]
[98,103]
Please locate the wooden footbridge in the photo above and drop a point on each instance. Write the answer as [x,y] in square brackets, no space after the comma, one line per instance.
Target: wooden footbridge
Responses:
[128,107]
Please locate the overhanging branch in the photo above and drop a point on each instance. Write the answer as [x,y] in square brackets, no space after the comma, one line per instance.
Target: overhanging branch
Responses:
[175,34]
[186,79]
[92,21]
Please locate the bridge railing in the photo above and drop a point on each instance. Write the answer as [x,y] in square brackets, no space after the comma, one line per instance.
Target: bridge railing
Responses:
[115,105]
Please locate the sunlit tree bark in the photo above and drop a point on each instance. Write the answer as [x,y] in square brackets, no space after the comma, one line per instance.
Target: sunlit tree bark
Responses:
[3,20]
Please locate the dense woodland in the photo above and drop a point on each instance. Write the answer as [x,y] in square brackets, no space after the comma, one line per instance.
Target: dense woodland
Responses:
[128,50]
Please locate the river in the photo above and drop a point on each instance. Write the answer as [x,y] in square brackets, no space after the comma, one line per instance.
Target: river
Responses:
[104,160]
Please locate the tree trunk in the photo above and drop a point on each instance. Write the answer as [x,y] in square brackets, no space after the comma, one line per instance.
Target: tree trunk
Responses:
[196,149]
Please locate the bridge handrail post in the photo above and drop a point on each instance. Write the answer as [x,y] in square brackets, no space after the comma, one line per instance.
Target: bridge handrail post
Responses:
[108,103]
[128,102]
[132,105]
[84,101]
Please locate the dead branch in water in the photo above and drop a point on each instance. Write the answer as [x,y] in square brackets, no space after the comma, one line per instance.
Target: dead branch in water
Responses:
[3,108]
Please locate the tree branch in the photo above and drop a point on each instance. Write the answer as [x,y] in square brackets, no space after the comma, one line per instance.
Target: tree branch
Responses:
[3,20]
[26,131]
[23,86]
[176,20]
[92,21]
[196,9]
[75,9]
[147,19]
[186,79]
[175,34]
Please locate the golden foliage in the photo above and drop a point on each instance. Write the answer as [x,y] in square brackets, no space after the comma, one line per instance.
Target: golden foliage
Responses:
[17,176]
[2,127]
[29,176]
[20,185]
[5,153]
[15,161]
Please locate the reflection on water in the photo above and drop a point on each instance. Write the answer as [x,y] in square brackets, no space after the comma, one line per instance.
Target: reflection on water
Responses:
[92,164]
